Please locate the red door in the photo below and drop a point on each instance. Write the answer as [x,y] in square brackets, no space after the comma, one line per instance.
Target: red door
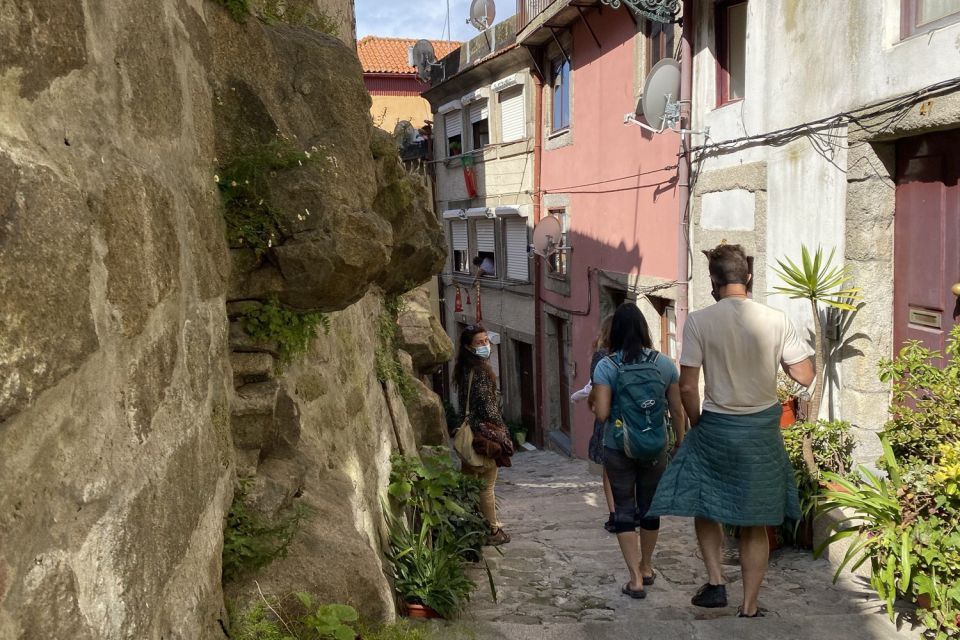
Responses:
[927,239]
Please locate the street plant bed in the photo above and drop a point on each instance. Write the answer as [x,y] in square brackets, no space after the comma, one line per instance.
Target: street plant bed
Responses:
[904,521]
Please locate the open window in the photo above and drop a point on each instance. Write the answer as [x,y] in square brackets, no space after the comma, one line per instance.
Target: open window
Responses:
[557,265]
[480,124]
[453,124]
[921,16]
[461,255]
[731,50]
[486,247]
[560,88]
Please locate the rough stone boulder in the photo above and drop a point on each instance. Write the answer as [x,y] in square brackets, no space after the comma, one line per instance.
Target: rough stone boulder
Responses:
[425,411]
[351,215]
[420,333]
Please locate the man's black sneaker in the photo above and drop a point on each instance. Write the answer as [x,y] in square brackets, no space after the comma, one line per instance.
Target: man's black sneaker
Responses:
[711,596]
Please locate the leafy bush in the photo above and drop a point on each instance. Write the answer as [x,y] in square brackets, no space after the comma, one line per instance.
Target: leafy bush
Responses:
[249,543]
[926,399]
[907,525]
[291,330]
[239,10]
[302,618]
[434,493]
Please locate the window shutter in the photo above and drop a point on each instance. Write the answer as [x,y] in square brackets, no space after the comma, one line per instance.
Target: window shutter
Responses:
[486,240]
[517,262]
[453,124]
[479,110]
[512,121]
[458,232]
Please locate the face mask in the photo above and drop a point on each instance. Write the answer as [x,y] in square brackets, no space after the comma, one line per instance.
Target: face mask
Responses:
[482,351]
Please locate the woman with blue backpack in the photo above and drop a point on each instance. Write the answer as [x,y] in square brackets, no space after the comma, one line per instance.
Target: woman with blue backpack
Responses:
[633,389]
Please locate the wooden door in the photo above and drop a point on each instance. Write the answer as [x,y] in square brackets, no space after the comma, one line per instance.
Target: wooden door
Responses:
[563,383]
[528,411]
[927,239]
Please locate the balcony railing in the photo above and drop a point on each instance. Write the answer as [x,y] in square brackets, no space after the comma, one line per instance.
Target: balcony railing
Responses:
[527,10]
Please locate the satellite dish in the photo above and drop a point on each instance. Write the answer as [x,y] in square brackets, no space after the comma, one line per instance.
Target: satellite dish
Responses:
[661,95]
[546,236]
[423,57]
[405,133]
[482,13]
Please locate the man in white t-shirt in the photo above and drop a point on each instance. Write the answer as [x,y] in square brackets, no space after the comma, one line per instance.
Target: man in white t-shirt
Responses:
[733,468]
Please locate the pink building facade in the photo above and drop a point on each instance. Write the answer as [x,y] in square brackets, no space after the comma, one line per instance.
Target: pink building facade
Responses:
[613,187]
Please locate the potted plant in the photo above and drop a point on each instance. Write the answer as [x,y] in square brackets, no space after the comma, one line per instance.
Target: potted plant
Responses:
[815,448]
[518,432]
[430,579]
[819,282]
[788,392]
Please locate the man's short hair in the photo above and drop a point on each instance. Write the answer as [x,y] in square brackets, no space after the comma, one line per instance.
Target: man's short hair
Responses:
[728,264]
[478,260]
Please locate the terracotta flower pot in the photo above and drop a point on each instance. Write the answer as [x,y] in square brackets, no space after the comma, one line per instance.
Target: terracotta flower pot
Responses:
[789,416]
[773,538]
[414,610]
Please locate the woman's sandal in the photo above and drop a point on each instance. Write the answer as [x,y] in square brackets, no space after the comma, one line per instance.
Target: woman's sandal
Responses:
[639,595]
[650,579]
[757,614]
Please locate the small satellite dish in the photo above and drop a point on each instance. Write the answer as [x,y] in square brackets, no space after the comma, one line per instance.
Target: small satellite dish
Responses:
[405,133]
[661,95]
[482,14]
[423,57]
[546,236]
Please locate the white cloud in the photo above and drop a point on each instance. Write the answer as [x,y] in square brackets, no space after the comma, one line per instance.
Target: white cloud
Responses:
[419,18]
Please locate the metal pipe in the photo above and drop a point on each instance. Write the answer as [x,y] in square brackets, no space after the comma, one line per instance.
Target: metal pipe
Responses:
[683,228]
[537,260]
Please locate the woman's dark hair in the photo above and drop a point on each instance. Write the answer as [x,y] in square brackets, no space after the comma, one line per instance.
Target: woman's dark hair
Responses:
[467,360]
[629,332]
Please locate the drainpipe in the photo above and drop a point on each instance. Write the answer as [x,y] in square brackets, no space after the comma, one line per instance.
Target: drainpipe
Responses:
[683,228]
[537,260]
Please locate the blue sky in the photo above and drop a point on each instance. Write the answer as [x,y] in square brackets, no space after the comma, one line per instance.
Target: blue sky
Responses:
[420,18]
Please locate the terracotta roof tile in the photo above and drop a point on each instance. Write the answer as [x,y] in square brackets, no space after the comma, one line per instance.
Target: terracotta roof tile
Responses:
[389,55]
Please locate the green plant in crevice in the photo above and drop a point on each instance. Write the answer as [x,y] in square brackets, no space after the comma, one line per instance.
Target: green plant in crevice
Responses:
[283,11]
[386,358]
[249,543]
[239,10]
[291,330]
[244,182]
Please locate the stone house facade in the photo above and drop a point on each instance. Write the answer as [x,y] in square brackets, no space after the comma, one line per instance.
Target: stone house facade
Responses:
[828,128]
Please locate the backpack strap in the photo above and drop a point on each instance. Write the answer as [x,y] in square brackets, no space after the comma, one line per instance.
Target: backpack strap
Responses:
[652,356]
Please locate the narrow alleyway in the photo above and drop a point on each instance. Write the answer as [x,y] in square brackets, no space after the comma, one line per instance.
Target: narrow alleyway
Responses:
[560,578]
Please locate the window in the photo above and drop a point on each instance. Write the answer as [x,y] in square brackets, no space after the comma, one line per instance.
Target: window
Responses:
[560,87]
[454,127]
[731,51]
[668,326]
[515,232]
[458,236]
[480,124]
[921,16]
[512,119]
[660,41]
[487,246]
[557,263]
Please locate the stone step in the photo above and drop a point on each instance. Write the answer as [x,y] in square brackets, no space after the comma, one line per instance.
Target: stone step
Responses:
[252,412]
[800,626]
[251,367]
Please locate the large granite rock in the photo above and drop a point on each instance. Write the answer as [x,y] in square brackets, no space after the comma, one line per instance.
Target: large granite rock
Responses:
[419,332]
[114,379]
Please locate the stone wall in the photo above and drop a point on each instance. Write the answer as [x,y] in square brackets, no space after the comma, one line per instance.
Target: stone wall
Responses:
[128,400]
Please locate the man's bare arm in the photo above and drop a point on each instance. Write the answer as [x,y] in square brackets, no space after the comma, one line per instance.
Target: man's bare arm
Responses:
[677,416]
[690,393]
[802,372]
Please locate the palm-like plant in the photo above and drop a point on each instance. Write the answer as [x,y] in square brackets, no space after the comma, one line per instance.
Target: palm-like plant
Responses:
[820,282]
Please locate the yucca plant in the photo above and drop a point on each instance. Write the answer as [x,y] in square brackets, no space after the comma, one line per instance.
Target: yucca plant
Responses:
[873,517]
[820,282]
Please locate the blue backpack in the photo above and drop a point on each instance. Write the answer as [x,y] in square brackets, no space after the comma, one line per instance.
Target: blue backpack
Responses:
[639,408]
